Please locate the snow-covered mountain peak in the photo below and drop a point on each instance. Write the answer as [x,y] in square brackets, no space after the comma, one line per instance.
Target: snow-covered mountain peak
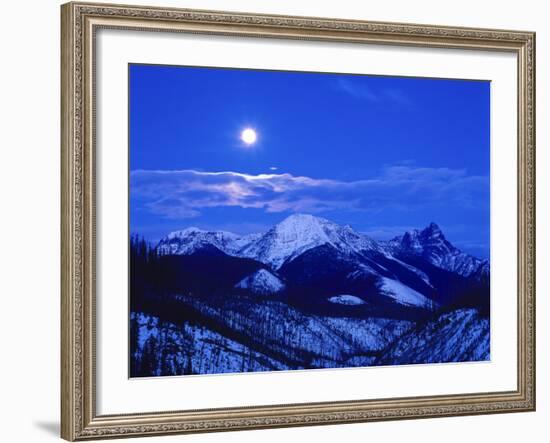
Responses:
[433,234]
[184,232]
[302,218]
[190,240]
[431,244]
[420,241]
[307,224]
[304,225]
[433,229]
[301,232]
[291,237]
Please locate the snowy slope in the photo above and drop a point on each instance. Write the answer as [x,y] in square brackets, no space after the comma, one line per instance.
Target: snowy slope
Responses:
[461,335]
[163,348]
[236,334]
[261,282]
[271,337]
[346,299]
[404,295]
[301,339]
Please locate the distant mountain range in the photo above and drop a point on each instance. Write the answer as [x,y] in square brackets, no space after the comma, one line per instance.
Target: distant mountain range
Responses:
[303,251]
[271,300]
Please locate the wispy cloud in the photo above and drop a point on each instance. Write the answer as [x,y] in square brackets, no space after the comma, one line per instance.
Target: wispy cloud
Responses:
[387,232]
[184,193]
[357,89]
[361,91]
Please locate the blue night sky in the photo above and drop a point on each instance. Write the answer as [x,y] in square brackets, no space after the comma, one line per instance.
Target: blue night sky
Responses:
[382,154]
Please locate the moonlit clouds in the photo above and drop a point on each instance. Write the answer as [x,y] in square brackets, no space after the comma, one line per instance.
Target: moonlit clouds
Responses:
[183,194]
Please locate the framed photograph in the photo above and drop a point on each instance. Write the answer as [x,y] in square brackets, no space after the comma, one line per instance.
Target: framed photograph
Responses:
[282,221]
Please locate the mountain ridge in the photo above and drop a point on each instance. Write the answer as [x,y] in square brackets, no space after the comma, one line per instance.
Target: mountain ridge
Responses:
[299,233]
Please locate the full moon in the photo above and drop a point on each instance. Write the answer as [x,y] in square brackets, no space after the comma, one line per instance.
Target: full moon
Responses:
[248,136]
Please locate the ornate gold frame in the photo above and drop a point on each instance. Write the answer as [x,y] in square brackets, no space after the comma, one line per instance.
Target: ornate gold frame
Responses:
[79,420]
